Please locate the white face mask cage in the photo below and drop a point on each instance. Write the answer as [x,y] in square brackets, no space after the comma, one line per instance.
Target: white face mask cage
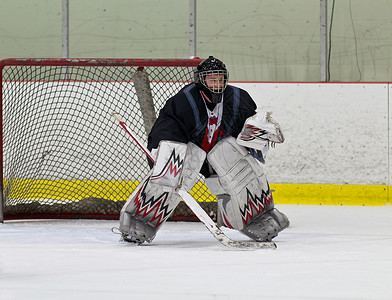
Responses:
[215,81]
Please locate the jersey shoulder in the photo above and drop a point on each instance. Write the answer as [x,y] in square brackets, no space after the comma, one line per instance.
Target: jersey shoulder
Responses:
[243,96]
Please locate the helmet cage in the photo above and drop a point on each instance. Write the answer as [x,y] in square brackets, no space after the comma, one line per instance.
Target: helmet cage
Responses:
[214,80]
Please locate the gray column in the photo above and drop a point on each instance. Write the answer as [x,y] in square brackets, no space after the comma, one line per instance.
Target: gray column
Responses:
[192,28]
[323,40]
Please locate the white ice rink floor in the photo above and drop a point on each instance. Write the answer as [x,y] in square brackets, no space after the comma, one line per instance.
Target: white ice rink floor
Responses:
[329,252]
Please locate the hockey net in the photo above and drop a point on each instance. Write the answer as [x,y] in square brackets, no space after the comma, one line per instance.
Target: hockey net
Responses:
[62,154]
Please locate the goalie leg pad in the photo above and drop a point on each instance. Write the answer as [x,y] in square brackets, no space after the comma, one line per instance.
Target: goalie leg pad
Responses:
[243,179]
[135,230]
[152,203]
[177,165]
[146,210]
[267,226]
[214,185]
[193,162]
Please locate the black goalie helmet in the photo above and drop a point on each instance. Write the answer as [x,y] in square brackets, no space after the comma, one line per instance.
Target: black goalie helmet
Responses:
[212,76]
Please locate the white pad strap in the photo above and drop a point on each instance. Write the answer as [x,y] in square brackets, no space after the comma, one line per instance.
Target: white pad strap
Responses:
[194,159]
[242,177]
[259,130]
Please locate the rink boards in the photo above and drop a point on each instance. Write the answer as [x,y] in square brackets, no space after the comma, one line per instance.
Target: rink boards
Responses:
[327,194]
[337,148]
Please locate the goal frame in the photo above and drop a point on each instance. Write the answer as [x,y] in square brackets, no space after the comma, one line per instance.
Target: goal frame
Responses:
[83,62]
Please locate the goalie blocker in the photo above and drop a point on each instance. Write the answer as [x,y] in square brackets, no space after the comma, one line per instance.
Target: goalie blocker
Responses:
[244,198]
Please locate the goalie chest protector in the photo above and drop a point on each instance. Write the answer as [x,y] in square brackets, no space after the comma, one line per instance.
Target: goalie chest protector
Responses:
[184,117]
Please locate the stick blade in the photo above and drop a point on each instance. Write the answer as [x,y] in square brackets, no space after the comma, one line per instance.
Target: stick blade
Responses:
[224,240]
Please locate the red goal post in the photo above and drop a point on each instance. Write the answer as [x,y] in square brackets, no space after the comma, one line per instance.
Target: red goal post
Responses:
[62,155]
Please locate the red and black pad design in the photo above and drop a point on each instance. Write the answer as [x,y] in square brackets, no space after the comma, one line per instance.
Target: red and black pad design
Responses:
[152,207]
[171,168]
[255,205]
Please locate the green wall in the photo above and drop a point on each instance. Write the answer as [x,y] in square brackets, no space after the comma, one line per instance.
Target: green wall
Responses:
[266,40]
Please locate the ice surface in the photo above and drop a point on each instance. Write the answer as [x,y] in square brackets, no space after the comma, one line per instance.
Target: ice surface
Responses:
[329,252]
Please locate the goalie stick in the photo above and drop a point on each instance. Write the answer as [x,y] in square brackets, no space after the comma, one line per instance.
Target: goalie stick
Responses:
[196,208]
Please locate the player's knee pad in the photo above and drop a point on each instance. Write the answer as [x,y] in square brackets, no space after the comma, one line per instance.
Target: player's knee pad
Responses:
[152,203]
[266,226]
[242,178]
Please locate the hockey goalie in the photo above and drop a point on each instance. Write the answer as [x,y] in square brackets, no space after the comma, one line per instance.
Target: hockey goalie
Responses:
[215,129]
